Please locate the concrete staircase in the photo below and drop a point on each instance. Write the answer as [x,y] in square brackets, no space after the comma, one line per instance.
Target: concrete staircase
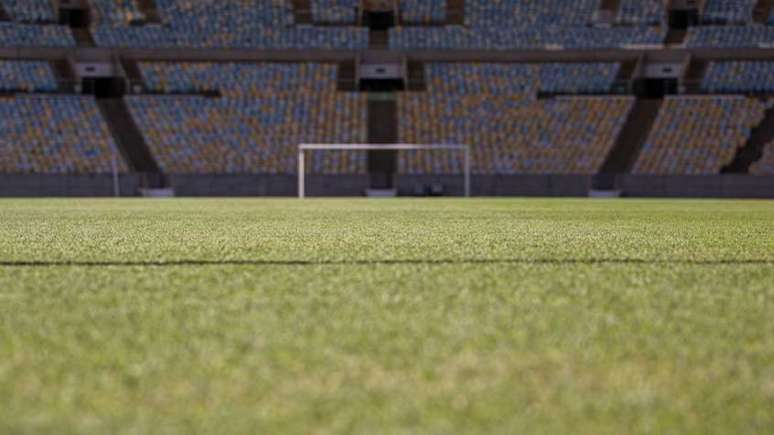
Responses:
[83,37]
[65,76]
[378,39]
[302,12]
[455,12]
[676,36]
[382,129]
[3,15]
[613,6]
[753,149]
[347,76]
[130,141]
[762,10]
[150,10]
[629,143]
[416,76]
[695,74]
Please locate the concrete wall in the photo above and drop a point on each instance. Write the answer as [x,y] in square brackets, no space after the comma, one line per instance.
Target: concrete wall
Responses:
[38,185]
[712,186]
[724,186]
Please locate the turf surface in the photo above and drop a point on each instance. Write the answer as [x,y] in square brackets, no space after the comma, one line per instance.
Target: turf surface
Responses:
[386,317]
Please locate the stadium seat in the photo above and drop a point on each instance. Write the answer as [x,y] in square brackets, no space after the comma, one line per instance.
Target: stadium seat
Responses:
[494,108]
[54,135]
[26,76]
[698,135]
[266,111]
[511,24]
[739,77]
[218,24]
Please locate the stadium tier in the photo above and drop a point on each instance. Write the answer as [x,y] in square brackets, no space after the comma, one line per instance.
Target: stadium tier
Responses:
[30,11]
[730,36]
[265,112]
[233,24]
[26,76]
[501,25]
[116,11]
[494,108]
[54,135]
[335,11]
[512,24]
[698,135]
[422,11]
[729,11]
[641,12]
[586,98]
[739,77]
[34,35]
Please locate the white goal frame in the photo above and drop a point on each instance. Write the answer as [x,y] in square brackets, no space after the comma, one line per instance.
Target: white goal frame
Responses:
[303,148]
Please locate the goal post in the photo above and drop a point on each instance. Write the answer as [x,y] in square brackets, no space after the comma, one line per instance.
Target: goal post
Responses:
[303,148]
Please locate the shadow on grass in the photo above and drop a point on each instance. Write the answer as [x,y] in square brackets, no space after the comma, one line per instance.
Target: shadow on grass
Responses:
[390,262]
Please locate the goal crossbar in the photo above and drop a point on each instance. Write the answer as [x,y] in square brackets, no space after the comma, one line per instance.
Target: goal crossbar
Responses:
[376,147]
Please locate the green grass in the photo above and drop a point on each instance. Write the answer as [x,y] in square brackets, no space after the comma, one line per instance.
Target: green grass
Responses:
[386,317]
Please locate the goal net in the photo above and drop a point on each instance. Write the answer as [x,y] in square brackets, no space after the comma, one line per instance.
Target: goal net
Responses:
[303,148]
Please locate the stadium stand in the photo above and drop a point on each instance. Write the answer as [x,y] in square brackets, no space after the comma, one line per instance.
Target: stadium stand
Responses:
[698,135]
[521,118]
[730,24]
[739,77]
[423,11]
[54,135]
[31,25]
[335,11]
[641,12]
[116,11]
[34,35]
[511,24]
[30,11]
[26,76]
[265,112]
[728,11]
[736,36]
[232,24]
[495,108]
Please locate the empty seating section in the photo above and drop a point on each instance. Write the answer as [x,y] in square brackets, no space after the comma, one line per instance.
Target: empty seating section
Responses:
[647,12]
[232,24]
[493,108]
[26,76]
[30,11]
[116,11]
[739,77]
[54,135]
[335,11]
[512,24]
[422,11]
[730,36]
[728,11]
[35,35]
[266,112]
[238,79]
[32,25]
[698,135]
[519,78]
[577,78]
[566,135]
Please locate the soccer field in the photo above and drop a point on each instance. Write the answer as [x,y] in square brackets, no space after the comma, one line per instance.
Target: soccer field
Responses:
[386,317]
